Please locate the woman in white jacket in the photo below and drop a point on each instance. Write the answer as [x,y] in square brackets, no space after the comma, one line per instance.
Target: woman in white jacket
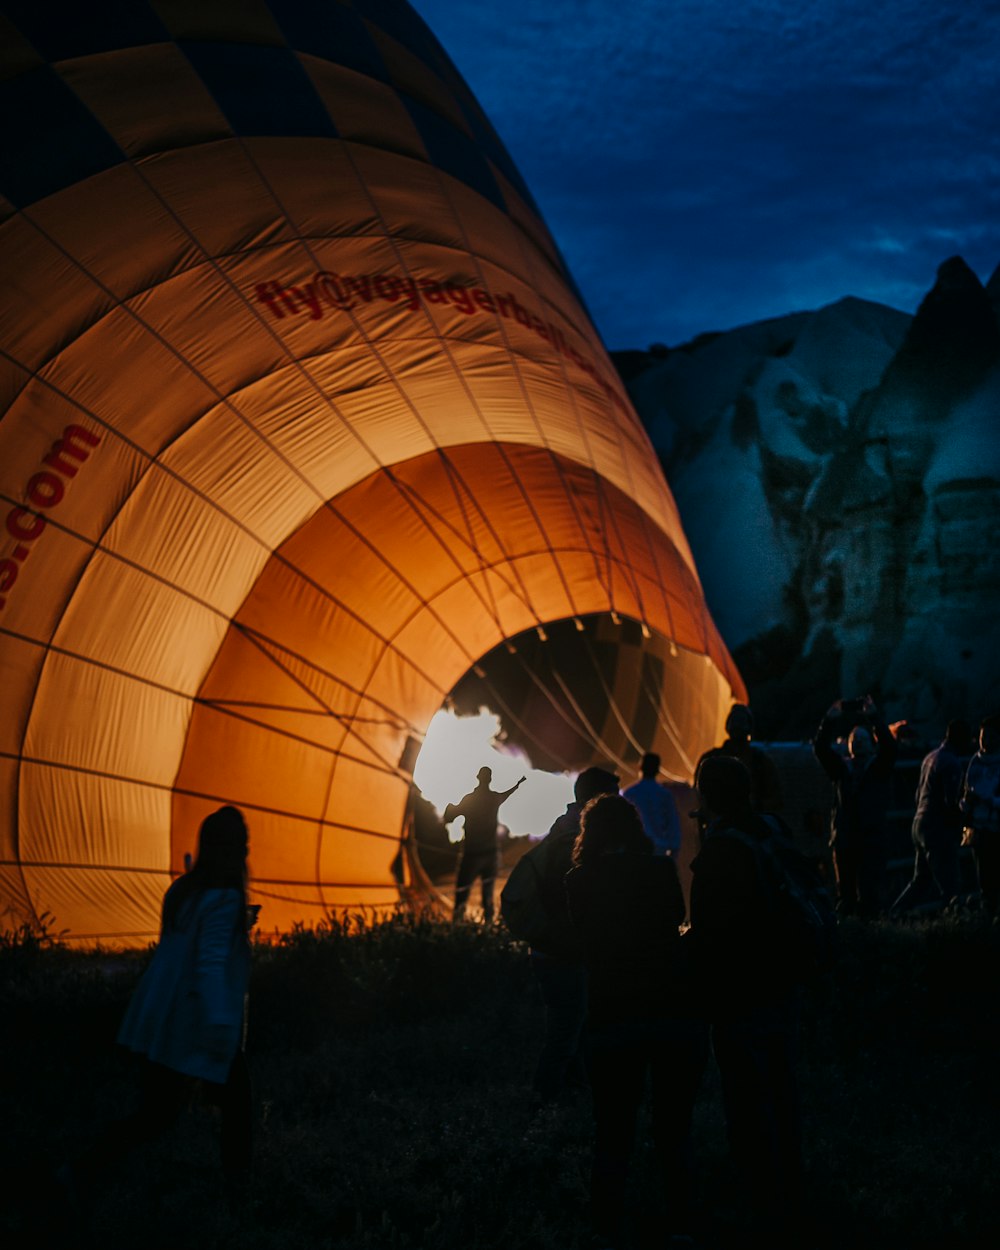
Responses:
[186,1016]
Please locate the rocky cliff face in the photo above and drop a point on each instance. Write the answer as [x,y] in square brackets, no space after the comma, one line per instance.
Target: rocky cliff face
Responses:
[838,476]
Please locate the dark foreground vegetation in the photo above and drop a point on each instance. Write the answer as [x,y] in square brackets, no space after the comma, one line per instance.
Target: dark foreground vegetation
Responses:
[391,1067]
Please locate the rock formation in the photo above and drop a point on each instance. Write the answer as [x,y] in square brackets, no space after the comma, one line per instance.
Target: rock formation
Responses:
[838,477]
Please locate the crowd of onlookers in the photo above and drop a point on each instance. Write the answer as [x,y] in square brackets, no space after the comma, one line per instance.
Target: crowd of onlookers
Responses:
[632,992]
[957,803]
[638,988]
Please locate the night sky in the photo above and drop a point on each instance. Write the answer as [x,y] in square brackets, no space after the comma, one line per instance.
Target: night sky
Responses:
[705,163]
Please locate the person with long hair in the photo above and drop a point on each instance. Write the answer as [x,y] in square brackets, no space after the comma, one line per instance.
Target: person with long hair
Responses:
[627,906]
[186,1016]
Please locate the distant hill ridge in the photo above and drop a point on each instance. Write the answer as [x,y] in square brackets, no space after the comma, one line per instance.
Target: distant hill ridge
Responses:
[838,476]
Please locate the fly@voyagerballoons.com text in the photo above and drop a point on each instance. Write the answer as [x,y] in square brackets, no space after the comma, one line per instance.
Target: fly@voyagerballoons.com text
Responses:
[328,291]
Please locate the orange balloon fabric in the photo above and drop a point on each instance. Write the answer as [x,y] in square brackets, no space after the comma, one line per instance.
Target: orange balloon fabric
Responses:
[301,417]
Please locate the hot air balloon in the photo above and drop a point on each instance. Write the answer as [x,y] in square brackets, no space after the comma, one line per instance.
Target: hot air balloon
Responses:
[303,419]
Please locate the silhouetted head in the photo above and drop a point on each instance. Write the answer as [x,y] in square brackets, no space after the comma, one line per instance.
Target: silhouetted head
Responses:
[958,737]
[223,842]
[609,825]
[739,723]
[861,744]
[650,765]
[592,782]
[724,785]
[485,775]
[989,735]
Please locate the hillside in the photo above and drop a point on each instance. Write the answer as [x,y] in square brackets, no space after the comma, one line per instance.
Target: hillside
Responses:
[838,476]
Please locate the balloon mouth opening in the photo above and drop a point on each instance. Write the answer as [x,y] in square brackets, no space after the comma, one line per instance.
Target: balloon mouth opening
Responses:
[544,704]
[566,693]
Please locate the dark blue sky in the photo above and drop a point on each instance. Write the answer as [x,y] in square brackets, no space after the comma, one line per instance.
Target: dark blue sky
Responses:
[705,163]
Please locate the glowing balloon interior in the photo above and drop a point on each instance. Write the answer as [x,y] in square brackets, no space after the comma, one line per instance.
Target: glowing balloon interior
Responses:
[302,416]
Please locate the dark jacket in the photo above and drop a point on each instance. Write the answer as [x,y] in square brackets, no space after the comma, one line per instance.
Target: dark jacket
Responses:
[627,909]
[739,960]
[480,807]
[862,787]
[938,792]
[553,858]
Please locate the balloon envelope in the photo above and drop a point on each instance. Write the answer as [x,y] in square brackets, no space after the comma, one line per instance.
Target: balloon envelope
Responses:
[302,416]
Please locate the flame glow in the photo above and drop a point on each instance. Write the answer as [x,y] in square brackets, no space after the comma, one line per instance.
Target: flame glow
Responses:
[456,747]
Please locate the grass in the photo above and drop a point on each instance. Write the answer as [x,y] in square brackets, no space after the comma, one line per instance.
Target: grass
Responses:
[391,1065]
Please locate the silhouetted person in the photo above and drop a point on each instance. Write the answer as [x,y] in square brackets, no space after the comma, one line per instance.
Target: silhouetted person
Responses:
[747,985]
[479,847]
[657,808]
[627,906]
[937,822]
[186,1016]
[766,793]
[980,804]
[557,965]
[862,793]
